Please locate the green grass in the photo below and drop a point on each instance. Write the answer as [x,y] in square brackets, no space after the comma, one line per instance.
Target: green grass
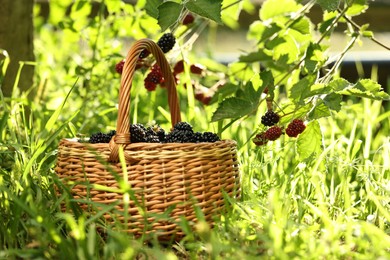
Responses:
[334,205]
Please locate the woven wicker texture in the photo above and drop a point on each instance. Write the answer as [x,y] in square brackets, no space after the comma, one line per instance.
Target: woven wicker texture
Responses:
[166,181]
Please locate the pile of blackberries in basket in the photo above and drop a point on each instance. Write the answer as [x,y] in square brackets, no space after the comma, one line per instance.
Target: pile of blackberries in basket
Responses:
[182,132]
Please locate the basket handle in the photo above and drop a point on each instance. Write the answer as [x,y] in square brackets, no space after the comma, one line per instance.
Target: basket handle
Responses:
[122,136]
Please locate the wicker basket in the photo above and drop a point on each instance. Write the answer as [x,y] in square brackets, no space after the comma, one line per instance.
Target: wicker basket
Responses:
[169,181]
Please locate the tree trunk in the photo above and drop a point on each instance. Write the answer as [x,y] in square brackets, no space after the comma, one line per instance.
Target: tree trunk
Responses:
[16,37]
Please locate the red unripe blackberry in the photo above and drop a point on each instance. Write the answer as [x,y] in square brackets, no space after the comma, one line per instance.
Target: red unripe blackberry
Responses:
[188,19]
[273,133]
[166,42]
[179,67]
[295,128]
[260,139]
[119,66]
[270,118]
[150,86]
[196,69]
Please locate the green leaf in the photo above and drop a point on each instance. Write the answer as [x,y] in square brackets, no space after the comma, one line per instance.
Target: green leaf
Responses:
[333,101]
[151,7]
[300,90]
[224,91]
[168,14]
[246,101]
[257,56]
[320,110]
[366,88]
[339,84]
[230,15]
[231,108]
[329,5]
[358,7]
[309,142]
[206,8]
[273,8]
[301,25]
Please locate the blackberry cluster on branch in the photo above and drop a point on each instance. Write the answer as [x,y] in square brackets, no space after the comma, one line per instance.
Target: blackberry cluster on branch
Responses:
[166,42]
[270,118]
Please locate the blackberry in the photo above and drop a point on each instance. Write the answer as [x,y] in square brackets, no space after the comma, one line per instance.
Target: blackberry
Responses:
[188,19]
[197,137]
[260,139]
[119,66]
[196,69]
[161,135]
[270,118]
[144,53]
[183,126]
[150,86]
[151,136]
[179,67]
[166,42]
[137,133]
[273,133]
[210,137]
[154,77]
[179,136]
[99,138]
[295,128]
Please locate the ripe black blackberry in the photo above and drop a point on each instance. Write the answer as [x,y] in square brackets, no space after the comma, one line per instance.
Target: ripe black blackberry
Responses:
[210,137]
[99,138]
[137,133]
[295,128]
[166,42]
[151,136]
[179,136]
[183,126]
[197,137]
[270,118]
[273,133]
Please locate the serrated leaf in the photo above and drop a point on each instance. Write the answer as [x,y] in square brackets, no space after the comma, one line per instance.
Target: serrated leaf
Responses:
[151,7]
[257,56]
[232,108]
[309,142]
[245,102]
[358,7]
[273,8]
[301,25]
[329,5]
[366,88]
[300,90]
[206,8]
[224,91]
[339,84]
[319,111]
[168,14]
[333,101]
